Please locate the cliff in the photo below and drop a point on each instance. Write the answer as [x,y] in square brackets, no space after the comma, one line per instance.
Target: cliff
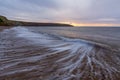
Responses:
[5,22]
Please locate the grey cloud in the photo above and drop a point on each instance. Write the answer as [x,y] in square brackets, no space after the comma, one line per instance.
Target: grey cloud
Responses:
[42,3]
[87,11]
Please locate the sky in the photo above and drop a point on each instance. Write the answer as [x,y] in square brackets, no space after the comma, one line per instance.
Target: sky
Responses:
[76,12]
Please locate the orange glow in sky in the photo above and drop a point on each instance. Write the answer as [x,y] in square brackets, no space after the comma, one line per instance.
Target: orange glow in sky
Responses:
[90,24]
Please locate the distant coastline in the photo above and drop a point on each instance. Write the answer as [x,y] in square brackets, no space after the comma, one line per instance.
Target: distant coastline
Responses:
[5,22]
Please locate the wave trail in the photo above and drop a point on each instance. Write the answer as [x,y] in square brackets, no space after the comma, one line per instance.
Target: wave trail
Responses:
[39,56]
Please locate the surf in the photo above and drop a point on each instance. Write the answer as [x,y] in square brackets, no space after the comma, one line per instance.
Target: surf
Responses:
[25,54]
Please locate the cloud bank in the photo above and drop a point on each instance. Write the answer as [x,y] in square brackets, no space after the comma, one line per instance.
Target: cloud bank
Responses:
[78,11]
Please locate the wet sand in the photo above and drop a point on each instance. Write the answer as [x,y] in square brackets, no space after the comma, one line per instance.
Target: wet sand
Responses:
[27,55]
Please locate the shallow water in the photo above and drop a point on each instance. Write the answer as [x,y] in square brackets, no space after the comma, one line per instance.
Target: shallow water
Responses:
[59,53]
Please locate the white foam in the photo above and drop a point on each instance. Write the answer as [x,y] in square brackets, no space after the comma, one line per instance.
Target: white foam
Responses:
[77,59]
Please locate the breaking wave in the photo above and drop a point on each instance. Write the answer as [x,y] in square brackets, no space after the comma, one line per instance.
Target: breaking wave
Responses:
[28,55]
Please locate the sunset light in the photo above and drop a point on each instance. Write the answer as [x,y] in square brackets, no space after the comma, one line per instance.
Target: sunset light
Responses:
[89,24]
[59,39]
[94,25]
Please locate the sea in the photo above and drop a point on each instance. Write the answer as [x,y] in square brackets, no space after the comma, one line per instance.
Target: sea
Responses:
[59,53]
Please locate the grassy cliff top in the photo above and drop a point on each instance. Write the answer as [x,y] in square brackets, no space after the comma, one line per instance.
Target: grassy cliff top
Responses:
[3,19]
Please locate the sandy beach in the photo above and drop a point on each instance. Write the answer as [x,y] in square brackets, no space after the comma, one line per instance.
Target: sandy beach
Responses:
[59,54]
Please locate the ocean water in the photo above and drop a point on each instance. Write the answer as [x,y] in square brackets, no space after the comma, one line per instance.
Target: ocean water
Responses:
[60,53]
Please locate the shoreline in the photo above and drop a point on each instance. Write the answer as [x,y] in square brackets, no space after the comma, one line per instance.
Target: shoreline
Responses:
[25,51]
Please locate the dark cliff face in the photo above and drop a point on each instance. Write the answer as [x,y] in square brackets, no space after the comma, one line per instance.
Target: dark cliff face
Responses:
[2,18]
[5,22]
